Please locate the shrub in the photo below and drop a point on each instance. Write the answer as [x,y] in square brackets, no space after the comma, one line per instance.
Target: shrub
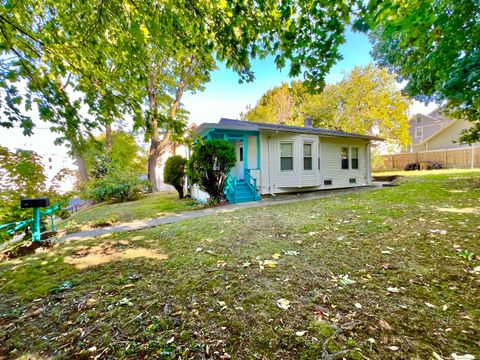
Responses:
[412,166]
[116,186]
[209,166]
[174,173]
[435,166]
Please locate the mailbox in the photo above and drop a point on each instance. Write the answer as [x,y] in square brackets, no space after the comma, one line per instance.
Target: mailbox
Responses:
[34,203]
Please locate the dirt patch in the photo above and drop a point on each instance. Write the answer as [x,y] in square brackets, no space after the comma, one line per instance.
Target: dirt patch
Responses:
[461,210]
[24,249]
[108,252]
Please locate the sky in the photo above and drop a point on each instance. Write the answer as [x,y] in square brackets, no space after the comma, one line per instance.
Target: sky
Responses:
[223,95]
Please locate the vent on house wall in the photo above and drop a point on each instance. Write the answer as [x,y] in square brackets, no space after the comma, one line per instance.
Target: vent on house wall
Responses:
[353,181]
[327,182]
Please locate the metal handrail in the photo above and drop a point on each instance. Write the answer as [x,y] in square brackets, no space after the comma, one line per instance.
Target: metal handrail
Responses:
[231,185]
[248,179]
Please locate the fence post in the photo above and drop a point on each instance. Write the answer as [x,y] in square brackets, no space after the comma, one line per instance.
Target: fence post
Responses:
[473,155]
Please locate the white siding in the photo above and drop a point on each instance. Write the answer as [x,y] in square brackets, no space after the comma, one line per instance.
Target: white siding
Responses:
[273,180]
[252,152]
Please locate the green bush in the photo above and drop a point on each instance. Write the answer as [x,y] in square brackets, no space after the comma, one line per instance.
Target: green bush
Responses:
[174,173]
[209,166]
[116,186]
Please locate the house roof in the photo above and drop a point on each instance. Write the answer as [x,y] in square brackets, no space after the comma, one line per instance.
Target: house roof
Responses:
[438,132]
[231,124]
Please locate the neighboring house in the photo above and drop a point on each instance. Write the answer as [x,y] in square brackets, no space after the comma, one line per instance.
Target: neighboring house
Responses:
[274,158]
[436,132]
[53,163]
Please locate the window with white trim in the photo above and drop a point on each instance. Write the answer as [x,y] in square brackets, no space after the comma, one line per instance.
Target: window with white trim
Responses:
[419,119]
[345,158]
[307,156]
[286,156]
[419,132]
[354,157]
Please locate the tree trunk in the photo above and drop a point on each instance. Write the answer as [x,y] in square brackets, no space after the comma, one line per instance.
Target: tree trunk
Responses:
[108,136]
[154,143]
[82,167]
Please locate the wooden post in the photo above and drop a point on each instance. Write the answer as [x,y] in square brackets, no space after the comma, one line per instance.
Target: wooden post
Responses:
[445,157]
[473,155]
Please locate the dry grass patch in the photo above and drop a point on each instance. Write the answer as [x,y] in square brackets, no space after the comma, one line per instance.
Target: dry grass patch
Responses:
[86,257]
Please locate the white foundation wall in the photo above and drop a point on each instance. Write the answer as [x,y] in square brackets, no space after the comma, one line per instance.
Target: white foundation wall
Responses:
[326,152]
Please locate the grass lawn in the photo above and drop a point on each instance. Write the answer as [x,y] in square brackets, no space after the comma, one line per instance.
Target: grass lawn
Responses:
[380,275]
[148,206]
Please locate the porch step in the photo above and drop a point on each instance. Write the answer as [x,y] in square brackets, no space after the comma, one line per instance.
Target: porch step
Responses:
[243,193]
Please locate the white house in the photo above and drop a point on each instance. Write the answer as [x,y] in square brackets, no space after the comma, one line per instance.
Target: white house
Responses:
[273,158]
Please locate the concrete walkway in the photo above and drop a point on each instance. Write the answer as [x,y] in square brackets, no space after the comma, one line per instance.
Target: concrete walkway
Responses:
[149,223]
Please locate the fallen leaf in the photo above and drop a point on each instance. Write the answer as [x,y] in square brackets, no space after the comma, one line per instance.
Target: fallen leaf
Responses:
[393,348]
[393,289]
[300,333]
[384,325]
[283,304]
[345,280]
[462,357]
[276,256]
[270,263]
[429,305]
[171,340]
[445,307]
[436,356]
[358,305]
[246,264]
[221,303]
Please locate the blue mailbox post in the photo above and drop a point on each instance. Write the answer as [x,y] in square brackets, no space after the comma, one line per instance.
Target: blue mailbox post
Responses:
[35,204]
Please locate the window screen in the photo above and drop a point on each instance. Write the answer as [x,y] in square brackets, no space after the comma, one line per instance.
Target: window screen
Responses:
[344,158]
[307,156]
[354,152]
[286,156]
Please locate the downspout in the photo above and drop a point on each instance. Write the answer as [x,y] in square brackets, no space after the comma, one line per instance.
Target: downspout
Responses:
[268,162]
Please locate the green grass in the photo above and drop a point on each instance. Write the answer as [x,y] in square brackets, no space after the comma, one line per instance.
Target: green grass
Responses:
[427,172]
[148,206]
[214,294]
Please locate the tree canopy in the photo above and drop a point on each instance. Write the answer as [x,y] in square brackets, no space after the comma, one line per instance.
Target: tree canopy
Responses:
[366,101]
[434,47]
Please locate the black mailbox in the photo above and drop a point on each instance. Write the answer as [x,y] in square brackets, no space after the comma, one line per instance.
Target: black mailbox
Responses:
[34,203]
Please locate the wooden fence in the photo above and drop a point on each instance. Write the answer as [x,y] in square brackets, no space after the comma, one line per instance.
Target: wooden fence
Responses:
[449,158]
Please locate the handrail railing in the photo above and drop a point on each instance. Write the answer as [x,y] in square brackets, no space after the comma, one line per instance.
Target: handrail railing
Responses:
[248,179]
[230,187]
[12,228]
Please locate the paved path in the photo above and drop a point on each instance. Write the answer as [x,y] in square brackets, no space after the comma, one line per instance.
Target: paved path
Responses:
[148,223]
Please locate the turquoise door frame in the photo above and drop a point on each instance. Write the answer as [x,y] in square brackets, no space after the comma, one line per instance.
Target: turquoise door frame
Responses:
[237,135]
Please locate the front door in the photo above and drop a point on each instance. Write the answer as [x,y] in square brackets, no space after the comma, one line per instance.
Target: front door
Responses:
[240,169]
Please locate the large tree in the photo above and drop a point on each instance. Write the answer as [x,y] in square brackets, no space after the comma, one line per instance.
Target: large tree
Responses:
[434,46]
[279,105]
[366,101]
[149,53]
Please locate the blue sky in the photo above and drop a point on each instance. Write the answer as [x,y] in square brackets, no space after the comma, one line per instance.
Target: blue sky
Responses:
[223,95]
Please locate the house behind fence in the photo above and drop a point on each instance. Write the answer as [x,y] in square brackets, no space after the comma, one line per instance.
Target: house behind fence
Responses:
[448,158]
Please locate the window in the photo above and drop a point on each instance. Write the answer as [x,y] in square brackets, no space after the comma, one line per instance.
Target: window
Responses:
[419,120]
[352,181]
[241,153]
[327,182]
[344,158]
[307,157]
[319,152]
[354,154]
[286,156]
[419,132]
